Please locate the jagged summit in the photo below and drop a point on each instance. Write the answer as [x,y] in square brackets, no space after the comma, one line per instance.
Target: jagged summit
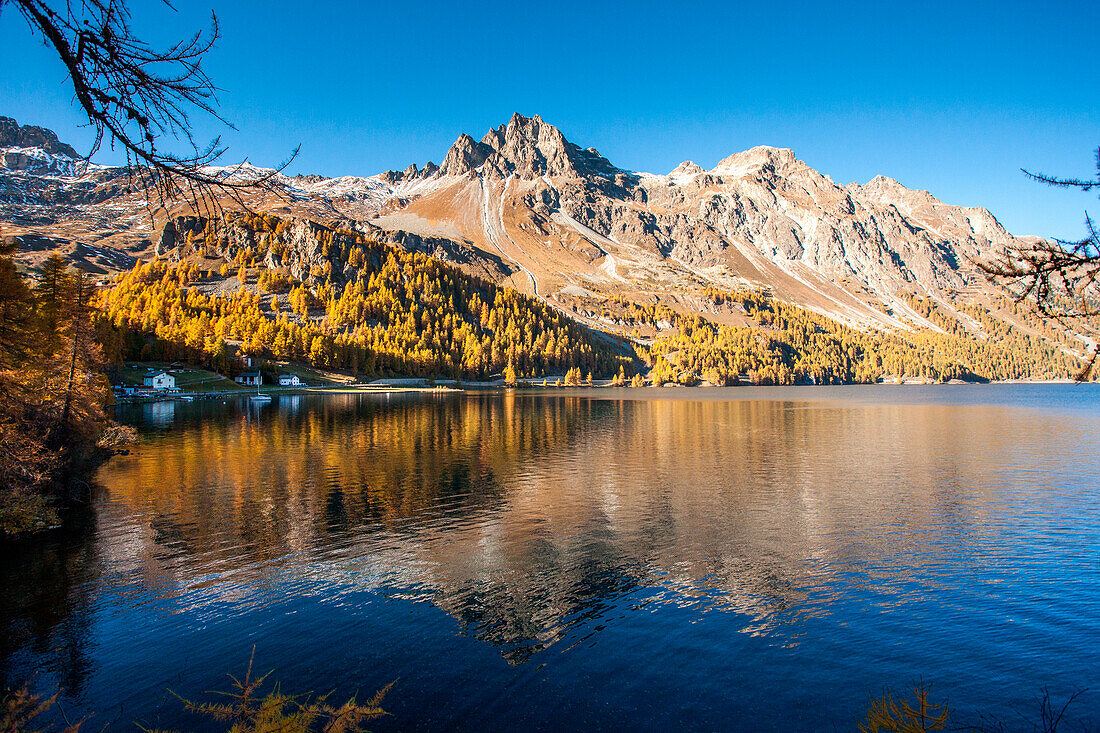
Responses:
[687,168]
[889,190]
[781,159]
[881,180]
[527,147]
[464,156]
[411,173]
[883,184]
[13,135]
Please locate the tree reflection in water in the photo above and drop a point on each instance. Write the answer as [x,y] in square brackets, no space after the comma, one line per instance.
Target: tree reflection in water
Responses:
[45,604]
[541,519]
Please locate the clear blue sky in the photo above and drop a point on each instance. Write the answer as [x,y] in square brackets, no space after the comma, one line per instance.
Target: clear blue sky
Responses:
[950,97]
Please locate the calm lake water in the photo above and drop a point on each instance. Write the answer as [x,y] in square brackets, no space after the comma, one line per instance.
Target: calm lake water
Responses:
[602,560]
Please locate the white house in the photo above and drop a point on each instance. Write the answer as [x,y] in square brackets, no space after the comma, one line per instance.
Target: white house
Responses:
[159,381]
[252,379]
[289,380]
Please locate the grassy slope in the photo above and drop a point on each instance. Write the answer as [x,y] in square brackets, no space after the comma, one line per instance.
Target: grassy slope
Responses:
[188,379]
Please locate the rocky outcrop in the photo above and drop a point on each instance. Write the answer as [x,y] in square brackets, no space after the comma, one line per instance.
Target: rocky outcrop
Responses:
[465,156]
[472,260]
[12,135]
[528,148]
[305,249]
[308,250]
[175,231]
[410,174]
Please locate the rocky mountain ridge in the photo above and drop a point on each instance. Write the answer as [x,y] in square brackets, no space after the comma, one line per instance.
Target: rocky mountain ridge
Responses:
[526,207]
[14,135]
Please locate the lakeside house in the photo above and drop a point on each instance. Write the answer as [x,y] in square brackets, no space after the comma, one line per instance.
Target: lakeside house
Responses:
[289,380]
[251,379]
[160,381]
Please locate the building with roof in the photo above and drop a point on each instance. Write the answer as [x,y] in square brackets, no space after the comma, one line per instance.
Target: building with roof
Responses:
[250,379]
[159,381]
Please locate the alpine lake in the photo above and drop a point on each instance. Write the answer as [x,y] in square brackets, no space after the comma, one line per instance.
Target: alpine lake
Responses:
[588,559]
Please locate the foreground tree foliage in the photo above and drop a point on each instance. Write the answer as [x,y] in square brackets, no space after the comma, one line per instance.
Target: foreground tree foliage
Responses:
[917,713]
[251,705]
[247,708]
[21,711]
[52,423]
[913,714]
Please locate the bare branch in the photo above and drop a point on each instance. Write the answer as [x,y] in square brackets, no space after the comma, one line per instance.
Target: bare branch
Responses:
[1067,182]
[1059,279]
[136,96]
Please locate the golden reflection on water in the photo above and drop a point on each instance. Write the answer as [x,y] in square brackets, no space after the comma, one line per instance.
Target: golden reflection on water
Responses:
[521,514]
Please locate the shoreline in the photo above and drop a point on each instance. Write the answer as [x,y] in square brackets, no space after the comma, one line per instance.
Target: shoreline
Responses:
[408,386]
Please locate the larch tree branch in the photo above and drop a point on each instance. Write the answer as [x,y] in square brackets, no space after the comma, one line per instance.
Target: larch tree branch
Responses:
[138,97]
[1059,279]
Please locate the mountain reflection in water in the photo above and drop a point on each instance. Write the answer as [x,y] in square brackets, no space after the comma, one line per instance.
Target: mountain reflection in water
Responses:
[829,528]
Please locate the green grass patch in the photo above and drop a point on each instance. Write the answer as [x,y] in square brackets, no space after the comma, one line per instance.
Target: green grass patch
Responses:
[188,379]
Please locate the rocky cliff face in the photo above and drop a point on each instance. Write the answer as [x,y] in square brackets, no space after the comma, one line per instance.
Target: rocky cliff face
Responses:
[525,147]
[308,251]
[12,135]
[302,252]
[765,201]
[526,206]
[762,218]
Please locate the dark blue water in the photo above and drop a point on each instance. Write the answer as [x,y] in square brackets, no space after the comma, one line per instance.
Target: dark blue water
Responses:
[614,559]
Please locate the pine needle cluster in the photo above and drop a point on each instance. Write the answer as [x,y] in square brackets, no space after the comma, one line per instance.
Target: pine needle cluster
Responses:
[914,714]
[248,708]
